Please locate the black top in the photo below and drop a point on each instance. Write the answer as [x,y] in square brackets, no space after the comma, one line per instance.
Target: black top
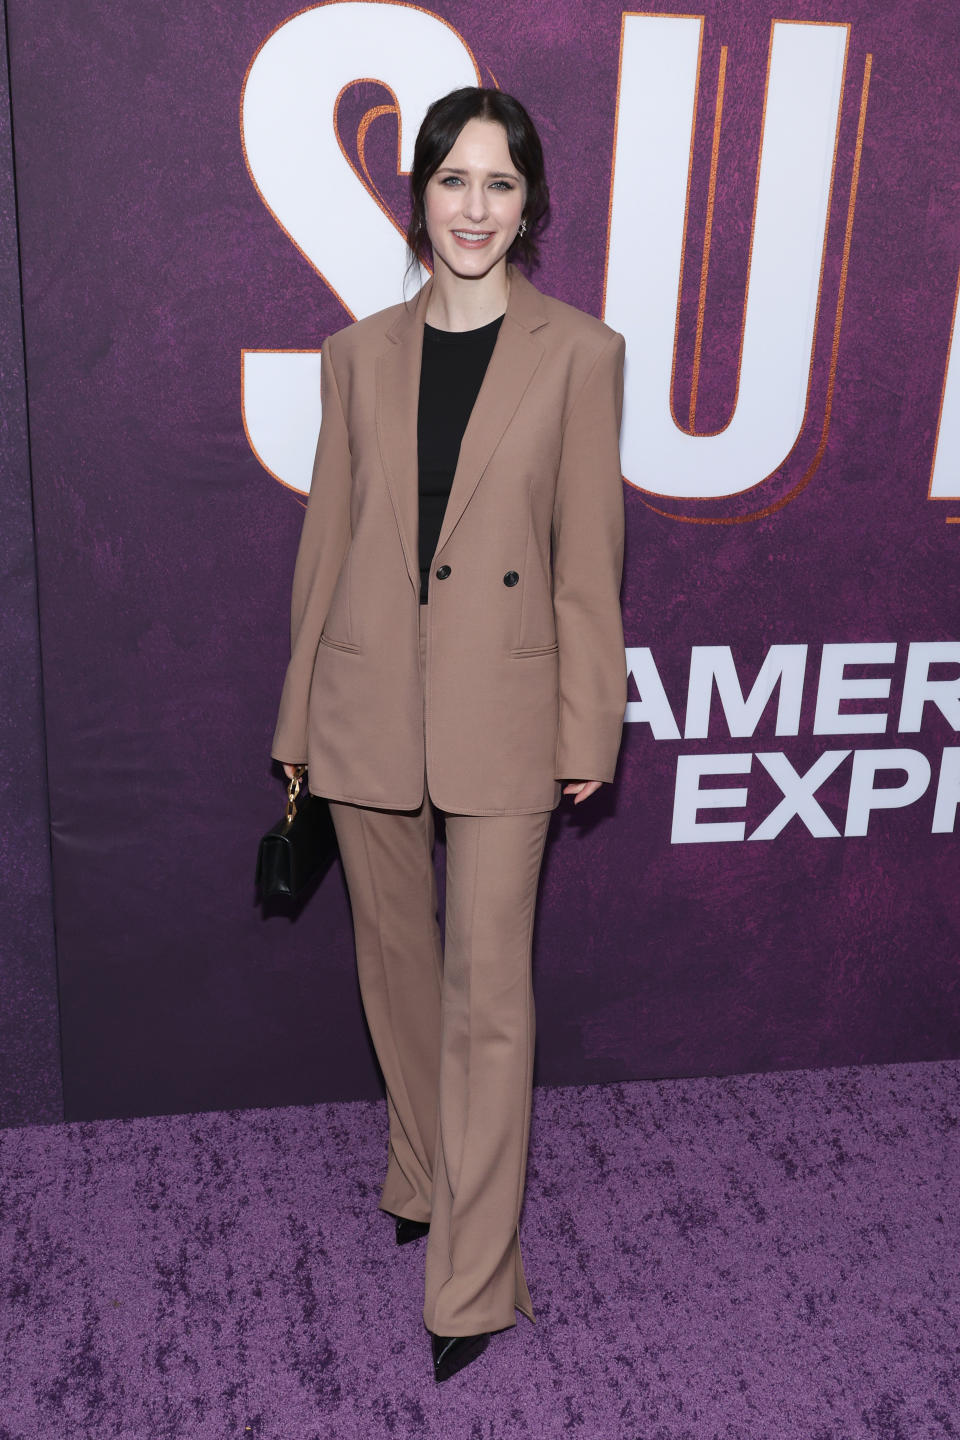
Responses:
[452,368]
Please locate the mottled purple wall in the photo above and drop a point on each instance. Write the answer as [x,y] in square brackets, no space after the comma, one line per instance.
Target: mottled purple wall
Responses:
[30,1085]
[165,555]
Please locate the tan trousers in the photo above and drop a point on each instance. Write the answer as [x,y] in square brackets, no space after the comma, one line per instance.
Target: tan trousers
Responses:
[453,1027]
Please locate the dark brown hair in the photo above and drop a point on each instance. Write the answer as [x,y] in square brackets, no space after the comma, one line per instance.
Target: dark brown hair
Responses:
[436,137]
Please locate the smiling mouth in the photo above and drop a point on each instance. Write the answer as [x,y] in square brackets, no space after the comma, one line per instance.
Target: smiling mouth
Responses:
[472,237]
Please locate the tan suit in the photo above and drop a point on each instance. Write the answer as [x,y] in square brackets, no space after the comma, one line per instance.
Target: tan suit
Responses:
[511,679]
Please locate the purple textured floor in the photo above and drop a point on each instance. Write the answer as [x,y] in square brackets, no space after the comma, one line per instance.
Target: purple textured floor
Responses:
[746,1258]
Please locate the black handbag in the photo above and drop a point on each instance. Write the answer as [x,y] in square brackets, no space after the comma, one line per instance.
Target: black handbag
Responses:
[300,848]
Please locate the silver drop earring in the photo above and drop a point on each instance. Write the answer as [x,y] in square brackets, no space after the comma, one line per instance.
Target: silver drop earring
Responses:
[523,227]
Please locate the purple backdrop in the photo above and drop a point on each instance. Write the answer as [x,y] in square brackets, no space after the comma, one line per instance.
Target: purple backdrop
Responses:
[30,1087]
[166,550]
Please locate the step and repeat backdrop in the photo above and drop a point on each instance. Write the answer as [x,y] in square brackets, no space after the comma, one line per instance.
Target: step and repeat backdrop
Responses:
[30,1081]
[766,202]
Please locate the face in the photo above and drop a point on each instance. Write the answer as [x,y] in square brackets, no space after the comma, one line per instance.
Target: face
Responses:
[476,191]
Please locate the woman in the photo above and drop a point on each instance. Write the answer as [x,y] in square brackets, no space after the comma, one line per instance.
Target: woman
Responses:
[457,643]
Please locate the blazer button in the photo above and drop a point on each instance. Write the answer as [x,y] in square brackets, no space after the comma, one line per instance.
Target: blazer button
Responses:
[443,572]
[511,577]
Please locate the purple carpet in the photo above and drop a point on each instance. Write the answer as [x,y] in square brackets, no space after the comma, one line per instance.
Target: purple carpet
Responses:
[744,1258]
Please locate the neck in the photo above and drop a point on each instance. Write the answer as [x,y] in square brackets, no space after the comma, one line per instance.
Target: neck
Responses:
[457,303]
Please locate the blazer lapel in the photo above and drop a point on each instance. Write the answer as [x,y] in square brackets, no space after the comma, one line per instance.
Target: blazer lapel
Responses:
[515,357]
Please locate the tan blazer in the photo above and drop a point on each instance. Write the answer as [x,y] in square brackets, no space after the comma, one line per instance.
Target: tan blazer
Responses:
[526,681]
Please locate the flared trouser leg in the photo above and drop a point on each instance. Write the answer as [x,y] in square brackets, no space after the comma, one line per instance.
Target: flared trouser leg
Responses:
[454,1032]
[474,1271]
[387,858]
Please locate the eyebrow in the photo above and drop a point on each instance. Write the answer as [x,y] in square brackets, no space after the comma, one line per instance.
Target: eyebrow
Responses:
[491,174]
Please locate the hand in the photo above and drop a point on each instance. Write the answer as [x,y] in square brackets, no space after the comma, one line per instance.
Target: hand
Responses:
[289,771]
[581,789]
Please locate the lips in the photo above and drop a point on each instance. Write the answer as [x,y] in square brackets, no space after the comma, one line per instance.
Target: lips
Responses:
[471,243]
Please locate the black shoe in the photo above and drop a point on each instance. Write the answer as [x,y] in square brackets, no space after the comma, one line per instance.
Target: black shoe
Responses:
[452,1352]
[408,1230]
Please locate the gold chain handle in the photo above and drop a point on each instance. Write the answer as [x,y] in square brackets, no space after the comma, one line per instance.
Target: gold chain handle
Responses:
[293,791]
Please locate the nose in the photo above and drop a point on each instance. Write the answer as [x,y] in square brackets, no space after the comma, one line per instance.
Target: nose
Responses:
[475,204]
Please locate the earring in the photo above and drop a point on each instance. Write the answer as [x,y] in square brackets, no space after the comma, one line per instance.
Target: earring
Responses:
[523,227]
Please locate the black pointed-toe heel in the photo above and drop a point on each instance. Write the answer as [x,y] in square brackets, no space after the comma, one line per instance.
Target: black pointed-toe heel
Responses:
[408,1230]
[452,1352]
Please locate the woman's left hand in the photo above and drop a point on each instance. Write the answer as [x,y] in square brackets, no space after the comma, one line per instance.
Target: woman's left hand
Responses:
[581,789]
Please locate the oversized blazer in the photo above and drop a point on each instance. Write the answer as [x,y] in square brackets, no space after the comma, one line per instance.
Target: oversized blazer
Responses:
[525,679]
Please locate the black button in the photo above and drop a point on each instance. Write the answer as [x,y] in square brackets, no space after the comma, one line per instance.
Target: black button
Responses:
[443,572]
[511,577]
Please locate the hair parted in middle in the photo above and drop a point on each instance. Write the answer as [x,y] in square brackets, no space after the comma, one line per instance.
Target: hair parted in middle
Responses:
[437,136]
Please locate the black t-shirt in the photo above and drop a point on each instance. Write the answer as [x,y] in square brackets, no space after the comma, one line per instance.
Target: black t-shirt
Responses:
[452,368]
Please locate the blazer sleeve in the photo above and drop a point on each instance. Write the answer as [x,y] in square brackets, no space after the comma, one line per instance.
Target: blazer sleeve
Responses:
[588,532]
[324,541]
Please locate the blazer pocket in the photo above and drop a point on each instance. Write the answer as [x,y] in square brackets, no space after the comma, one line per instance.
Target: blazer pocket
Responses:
[339,644]
[533,650]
